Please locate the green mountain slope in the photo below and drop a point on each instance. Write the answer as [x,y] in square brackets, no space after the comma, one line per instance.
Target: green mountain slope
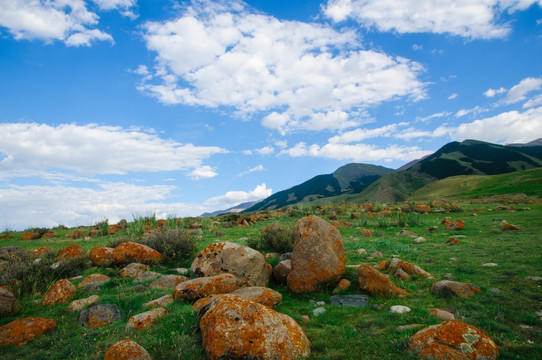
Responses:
[527,182]
[348,179]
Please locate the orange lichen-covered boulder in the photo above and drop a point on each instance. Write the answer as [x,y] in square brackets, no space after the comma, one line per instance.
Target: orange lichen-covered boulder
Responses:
[30,235]
[112,229]
[205,286]
[101,256]
[225,257]
[61,292]
[146,319]
[407,267]
[93,279]
[132,252]
[422,209]
[376,283]
[453,225]
[100,315]
[127,350]
[318,256]
[21,331]
[262,295]
[453,340]
[8,302]
[71,251]
[235,328]
[38,252]
[449,288]
[366,232]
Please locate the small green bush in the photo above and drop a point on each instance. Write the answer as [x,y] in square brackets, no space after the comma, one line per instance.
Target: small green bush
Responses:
[175,244]
[275,237]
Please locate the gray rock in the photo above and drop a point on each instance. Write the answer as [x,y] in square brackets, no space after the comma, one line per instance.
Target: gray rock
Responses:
[361,301]
[399,309]
[92,288]
[447,276]
[319,311]
[99,315]
[286,256]
[147,275]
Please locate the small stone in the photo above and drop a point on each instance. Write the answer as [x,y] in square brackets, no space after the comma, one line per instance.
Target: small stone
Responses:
[146,319]
[361,301]
[361,251]
[320,303]
[539,313]
[272,256]
[343,285]
[495,290]
[447,276]
[80,304]
[182,271]
[147,275]
[133,270]
[286,256]
[442,314]
[376,254]
[419,240]
[400,274]
[408,327]
[399,309]
[319,311]
[534,278]
[305,318]
[489,265]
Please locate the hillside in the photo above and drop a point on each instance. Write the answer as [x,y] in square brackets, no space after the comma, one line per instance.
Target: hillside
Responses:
[235,209]
[348,179]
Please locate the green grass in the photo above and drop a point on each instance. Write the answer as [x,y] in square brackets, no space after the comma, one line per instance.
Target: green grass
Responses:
[341,333]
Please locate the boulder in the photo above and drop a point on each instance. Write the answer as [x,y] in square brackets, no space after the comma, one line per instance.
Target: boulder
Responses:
[8,302]
[78,305]
[205,286]
[21,331]
[453,340]
[71,252]
[39,252]
[126,350]
[442,314]
[99,315]
[262,295]
[376,283]
[93,279]
[318,256]
[407,267]
[101,256]
[422,209]
[282,270]
[160,302]
[235,328]
[128,252]
[146,319]
[168,281]
[133,270]
[61,292]
[147,275]
[448,288]
[247,264]
[30,235]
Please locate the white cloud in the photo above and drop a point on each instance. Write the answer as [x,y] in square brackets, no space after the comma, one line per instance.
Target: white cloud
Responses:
[68,21]
[492,92]
[434,116]
[453,96]
[356,152]
[232,198]
[536,101]
[475,111]
[254,169]
[266,150]
[508,127]
[94,149]
[299,76]
[362,134]
[417,47]
[519,92]
[203,172]
[474,19]
[124,6]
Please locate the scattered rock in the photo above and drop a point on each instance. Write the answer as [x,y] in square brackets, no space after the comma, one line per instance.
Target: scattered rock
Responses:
[205,286]
[285,256]
[447,276]
[453,241]
[406,233]
[305,318]
[400,274]
[442,314]
[235,328]
[507,226]
[376,283]
[78,305]
[376,254]
[409,327]
[407,267]
[30,235]
[129,252]
[21,331]
[361,251]
[8,302]
[126,350]
[343,285]
[94,279]
[361,301]
[534,278]
[71,252]
[419,239]
[262,295]
[225,257]
[448,288]
[182,271]
[399,309]
[495,290]
[453,339]
[99,315]
[489,265]
[366,232]
[133,270]
[168,282]
[61,291]
[101,256]
[147,275]
[146,319]
[160,302]
[318,256]
[282,270]
[319,311]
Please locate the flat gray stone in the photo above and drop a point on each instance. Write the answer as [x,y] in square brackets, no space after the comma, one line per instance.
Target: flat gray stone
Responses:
[350,300]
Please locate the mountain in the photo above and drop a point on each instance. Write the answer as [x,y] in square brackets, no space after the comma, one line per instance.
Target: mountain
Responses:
[236,209]
[470,157]
[537,142]
[348,179]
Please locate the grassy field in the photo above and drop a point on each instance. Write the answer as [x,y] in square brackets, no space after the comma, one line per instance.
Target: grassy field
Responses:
[509,317]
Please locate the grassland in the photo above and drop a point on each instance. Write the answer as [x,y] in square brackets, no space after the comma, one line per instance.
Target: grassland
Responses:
[509,317]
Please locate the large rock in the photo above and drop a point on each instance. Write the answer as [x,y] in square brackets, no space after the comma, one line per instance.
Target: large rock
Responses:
[71,252]
[21,331]
[375,283]
[448,288]
[61,292]
[262,295]
[128,252]
[101,256]
[318,256]
[407,267]
[205,286]
[146,319]
[127,350]
[133,270]
[8,302]
[93,279]
[235,328]
[247,264]
[30,235]
[453,340]
[99,315]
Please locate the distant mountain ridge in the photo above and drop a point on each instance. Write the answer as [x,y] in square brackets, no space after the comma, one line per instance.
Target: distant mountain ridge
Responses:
[235,209]
[348,179]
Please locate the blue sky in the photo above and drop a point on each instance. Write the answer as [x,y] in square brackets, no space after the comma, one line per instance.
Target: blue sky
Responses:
[110,108]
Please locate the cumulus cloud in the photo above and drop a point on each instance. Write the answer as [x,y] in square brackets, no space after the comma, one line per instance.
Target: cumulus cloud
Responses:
[453,96]
[68,21]
[356,152]
[203,172]
[297,76]
[94,149]
[254,169]
[232,198]
[536,101]
[363,134]
[492,92]
[519,92]
[475,111]
[473,19]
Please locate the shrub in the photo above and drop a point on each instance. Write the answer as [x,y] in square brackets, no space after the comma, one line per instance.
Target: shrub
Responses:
[275,237]
[102,227]
[176,245]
